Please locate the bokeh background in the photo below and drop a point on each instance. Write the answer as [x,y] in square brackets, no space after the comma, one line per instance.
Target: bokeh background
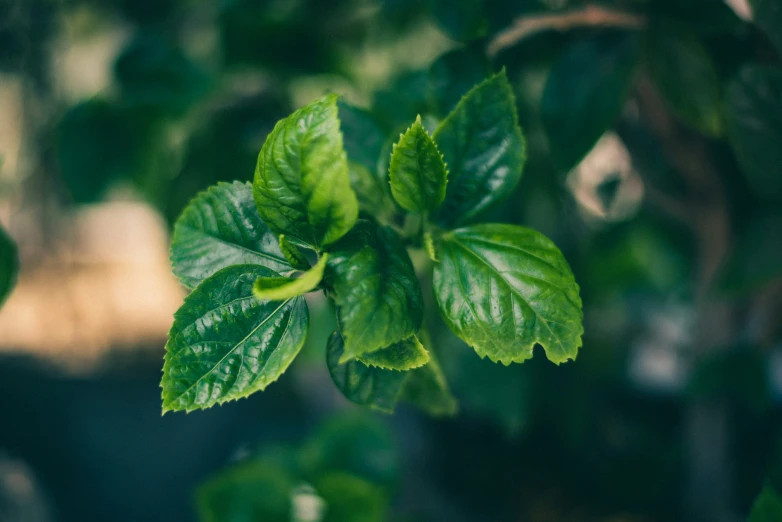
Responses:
[115,113]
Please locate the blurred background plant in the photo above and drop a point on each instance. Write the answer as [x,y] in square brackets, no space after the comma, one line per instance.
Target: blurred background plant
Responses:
[654,131]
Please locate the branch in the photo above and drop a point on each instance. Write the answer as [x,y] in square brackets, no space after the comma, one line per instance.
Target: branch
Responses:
[588,16]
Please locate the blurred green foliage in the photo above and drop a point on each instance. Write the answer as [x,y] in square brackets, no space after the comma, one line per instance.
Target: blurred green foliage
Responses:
[178,117]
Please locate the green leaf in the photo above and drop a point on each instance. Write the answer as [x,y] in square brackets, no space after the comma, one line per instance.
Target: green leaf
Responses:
[375,288]
[220,228]
[362,384]
[292,254]
[754,120]
[351,499]
[96,146]
[767,507]
[362,135]
[584,94]
[225,344]
[417,173]
[482,143]
[371,191]
[9,264]
[504,288]
[302,185]
[247,492]
[768,15]
[427,389]
[685,76]
[282,288]
[402,356]
[454,73]
[356,443]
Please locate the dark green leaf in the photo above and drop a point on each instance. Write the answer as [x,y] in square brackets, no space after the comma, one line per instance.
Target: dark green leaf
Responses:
[359,444]
[427,389]
[351,499]
[220,228]
[685,76]
[225,344]
[455,73]
[9,264]
[362,384]
[584,94]
[504,288]
[371,191]
[95,147]
[417,173]
[375,289]
[768,15]
[154,74]
[767,507]
[302,185]
[248,492]
[402,356]
[292,254]
[281,288]
[483,146]
[463,20]
[362,135]
[754,120]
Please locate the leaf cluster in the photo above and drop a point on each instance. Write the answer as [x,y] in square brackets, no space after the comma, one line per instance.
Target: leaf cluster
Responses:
[315,219]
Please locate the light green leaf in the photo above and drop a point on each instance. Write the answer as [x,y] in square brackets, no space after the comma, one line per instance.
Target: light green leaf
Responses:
[225,344]
[292,254]
[417,173]
[767,507]
[251,491]
[427,389]
[220,228]
[753,108]
[585,92]
[282,288]
[351,499]
[9,264]
[483,146]
[375,288]
[362,384]
[402,356]
[504,288]
[685,76]
[302,185]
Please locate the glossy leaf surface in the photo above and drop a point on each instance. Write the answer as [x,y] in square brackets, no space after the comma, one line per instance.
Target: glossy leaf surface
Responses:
[483,146]
[226,344]
[754,118]
[220,228]
[302,185]
[402,356]
[504,288]
[417,173]
[281,288]
[375,289]
[362,384]
[292,254]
